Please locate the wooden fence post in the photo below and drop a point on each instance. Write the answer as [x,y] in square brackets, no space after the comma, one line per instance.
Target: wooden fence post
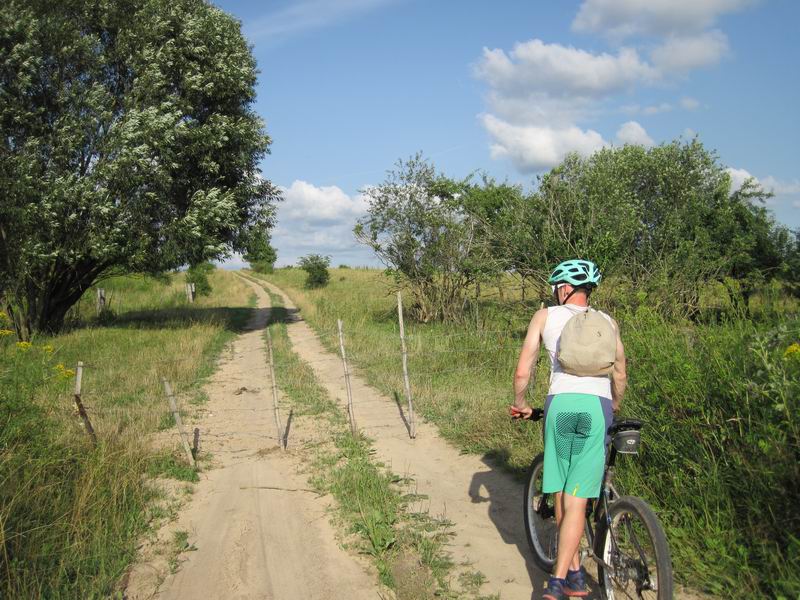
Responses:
[87,424]
[350,412]
[101,300]
[178,422]
[196,442]
[275,392]
[412,426]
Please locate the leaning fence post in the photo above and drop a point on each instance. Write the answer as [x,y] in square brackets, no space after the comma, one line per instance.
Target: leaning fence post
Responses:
[275,392]
[101,300]
[412,426]
[350,412]
[79,405]
[178,423]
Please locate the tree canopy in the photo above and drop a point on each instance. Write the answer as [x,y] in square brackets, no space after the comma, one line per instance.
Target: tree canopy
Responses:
[129,144]
[664,221]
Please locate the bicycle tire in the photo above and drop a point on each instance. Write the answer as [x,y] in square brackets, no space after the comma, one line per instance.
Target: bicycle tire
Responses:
[540,521]
[632,570]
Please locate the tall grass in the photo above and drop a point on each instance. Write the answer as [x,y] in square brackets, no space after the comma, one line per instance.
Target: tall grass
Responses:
[722,440]
[70,514]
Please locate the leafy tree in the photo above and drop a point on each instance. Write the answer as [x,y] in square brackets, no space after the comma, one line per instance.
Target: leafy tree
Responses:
[129,144]
[418,226]
[260,253]
[664,219]
[316,267]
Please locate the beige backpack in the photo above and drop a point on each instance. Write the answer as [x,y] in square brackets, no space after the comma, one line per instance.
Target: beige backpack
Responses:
[588,345]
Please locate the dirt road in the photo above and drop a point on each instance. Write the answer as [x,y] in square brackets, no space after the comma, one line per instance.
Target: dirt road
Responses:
[483,503]
[254,530]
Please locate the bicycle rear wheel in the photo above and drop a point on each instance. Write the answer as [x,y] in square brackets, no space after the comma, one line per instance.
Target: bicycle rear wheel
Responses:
[540,519]
[636,550]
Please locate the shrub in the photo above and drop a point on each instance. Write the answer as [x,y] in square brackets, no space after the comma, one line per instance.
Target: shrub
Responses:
[316,266]
[198,275]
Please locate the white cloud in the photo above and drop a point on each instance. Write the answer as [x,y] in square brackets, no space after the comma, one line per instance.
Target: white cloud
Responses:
[634,134]
[796,204]
[534,148]
[681,54]
[323,204]
[557,70]
[689,133]
[319,219]
[625,18]
[689,103]
[738,177]
[306,15]
[781,188]
[542,95]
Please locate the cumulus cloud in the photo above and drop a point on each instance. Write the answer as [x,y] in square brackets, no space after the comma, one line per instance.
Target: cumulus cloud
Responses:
[542,95]
[319,219]
[626,18]
[325,204]
[559,70]
[738,177]
[634,134]
[534,148]
[680,54]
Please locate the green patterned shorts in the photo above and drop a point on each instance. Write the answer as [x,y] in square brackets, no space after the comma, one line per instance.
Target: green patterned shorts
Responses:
[575,429]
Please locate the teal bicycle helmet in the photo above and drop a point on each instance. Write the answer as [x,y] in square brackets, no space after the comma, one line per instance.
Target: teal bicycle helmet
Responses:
[576,272]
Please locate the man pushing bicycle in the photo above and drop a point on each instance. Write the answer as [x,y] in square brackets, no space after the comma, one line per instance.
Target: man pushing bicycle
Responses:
[587,382]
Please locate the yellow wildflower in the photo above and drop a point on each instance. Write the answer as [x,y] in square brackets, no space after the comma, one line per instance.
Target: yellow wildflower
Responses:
[24,346]
[62,371]
[47,348]
[5,332]
[792,352]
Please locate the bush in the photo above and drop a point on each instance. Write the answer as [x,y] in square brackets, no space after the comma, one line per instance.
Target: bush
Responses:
[198,275]
[262,267]
[316,266]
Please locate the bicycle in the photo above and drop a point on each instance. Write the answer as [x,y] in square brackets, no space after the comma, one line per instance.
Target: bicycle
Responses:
[625,538]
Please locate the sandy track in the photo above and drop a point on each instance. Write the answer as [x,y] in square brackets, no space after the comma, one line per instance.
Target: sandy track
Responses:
[483,503]
[258,532]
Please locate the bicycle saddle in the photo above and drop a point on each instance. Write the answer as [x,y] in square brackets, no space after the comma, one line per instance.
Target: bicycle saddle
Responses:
[625,425]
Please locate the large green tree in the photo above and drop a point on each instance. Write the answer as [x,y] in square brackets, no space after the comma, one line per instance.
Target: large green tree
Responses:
[664,219]
[129,143]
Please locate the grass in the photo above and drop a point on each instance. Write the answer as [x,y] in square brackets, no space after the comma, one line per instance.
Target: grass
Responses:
[408,548]
[70,514]
[720,455]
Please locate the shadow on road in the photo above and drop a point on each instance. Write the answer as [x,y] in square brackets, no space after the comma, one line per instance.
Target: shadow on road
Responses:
[505,499]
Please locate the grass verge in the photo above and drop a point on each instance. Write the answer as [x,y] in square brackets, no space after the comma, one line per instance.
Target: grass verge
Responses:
[71,514]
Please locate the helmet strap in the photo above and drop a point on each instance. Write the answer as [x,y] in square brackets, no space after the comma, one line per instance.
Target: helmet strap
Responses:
[574,289]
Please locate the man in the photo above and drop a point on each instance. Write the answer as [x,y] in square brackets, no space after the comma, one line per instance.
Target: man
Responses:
[578,412]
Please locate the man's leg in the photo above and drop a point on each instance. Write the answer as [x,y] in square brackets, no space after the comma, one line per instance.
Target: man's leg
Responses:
[570,515]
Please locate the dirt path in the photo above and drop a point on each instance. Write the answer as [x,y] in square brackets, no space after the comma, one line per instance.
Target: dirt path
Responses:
[255,530]
[483,503]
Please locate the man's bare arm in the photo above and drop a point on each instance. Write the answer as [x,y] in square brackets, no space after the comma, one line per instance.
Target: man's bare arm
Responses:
[619,376]
[527,358]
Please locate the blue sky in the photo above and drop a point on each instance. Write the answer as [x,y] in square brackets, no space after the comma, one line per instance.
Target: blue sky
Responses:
[349,86]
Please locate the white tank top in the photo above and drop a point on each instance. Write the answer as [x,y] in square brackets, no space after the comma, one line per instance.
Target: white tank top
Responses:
[561,382]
